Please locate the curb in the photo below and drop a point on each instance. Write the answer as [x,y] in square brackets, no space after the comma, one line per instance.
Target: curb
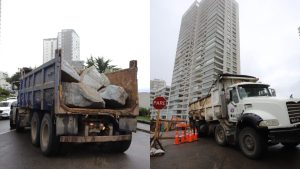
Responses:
[143,130]
[145,122]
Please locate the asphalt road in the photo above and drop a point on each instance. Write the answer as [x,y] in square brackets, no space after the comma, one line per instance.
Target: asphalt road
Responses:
[206,154]
[4,125]
[16,151]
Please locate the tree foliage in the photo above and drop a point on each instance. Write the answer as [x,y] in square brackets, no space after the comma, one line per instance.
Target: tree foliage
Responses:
[14,77]
[101,64]
[3,94]
[144,112]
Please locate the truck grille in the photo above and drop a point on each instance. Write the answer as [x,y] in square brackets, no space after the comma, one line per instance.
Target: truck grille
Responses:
[294,111]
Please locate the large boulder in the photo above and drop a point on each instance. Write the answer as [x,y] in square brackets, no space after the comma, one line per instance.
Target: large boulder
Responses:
[80,95]
[68,73]
[92,78]
[114,96]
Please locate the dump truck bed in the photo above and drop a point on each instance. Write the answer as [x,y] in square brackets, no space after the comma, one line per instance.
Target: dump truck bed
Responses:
[42,89]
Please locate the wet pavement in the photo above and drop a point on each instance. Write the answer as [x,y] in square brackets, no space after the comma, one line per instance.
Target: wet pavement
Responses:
[206,154]
[4,125]
[143,127]
[16,151]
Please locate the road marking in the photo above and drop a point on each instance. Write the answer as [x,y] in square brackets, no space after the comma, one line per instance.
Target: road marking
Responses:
[7,131]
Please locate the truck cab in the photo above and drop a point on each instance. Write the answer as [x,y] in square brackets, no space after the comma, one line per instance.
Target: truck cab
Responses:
[240,110]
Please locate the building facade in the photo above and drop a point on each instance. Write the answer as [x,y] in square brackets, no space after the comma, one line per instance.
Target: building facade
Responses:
[157,84]
[49,47]
[208,45]
[68,41]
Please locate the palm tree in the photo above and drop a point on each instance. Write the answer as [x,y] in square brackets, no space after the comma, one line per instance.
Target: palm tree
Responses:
[101,64]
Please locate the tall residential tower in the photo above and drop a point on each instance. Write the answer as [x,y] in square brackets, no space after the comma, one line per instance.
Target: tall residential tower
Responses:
[68,41]
[208,45]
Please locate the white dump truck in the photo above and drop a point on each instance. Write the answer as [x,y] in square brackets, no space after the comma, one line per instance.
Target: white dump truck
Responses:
[240,110]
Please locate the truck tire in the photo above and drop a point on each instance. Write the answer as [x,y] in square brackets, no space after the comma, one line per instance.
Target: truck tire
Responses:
[115,146]
[252,143]
[35,129]
[290,144]
[220,135]
[19,129]
[48,140]
[122,146]
[203,130]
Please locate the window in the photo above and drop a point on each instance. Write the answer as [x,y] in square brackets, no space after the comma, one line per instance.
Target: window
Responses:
[234,96]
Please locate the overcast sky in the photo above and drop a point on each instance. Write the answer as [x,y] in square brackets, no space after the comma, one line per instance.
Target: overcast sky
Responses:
[269,41]
[118,30]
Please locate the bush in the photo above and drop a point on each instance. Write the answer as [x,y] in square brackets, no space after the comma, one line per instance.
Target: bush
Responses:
[3,94]
[144,112]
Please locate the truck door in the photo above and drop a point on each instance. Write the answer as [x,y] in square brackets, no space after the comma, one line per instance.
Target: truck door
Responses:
[233,105]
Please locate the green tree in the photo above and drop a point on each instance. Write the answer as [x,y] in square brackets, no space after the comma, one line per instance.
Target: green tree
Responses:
[3,94]
[144,112]
[101,64]
[14,77]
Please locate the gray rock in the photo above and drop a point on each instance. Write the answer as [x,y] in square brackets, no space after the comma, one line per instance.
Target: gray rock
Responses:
[69,74]
[114,96]
[80,95]
[92,78]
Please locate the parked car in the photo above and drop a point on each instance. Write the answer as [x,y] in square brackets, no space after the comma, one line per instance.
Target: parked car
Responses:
[5,108]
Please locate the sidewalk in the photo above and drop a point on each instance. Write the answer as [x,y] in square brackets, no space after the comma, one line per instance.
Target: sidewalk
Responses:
[143,127]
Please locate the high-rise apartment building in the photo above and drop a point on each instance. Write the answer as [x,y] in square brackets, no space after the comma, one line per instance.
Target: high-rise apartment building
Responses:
[208,45]
[49,47]
[157,84]
[68,41]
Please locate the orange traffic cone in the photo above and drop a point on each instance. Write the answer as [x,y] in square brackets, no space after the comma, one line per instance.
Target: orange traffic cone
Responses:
[190,136]
[195,135]
[187,135]
[182,137]
[176,140]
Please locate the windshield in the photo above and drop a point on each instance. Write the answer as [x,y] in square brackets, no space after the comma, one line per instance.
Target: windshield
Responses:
[253,90]
[4,104]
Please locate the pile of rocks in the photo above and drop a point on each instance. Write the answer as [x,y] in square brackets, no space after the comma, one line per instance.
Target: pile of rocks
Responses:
[90,89]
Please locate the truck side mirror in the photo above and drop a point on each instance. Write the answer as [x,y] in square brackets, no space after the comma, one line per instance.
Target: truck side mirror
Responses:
[227,97]
[273,92]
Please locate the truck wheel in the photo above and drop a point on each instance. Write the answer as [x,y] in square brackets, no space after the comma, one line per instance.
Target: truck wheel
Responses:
[220,136]
[19,129]
[48,140]
[35,129]
[290,144]
[122,146]
[115,146]
[203,130]
[252,143]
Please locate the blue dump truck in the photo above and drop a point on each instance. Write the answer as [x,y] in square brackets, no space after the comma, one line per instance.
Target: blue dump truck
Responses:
[41,107]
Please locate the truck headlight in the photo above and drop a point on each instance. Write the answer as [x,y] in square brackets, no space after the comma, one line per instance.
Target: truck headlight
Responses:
[266,123]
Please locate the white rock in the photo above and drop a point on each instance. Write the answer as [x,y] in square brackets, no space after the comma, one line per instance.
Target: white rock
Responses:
[80,95]
[114,96]
[91,77]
